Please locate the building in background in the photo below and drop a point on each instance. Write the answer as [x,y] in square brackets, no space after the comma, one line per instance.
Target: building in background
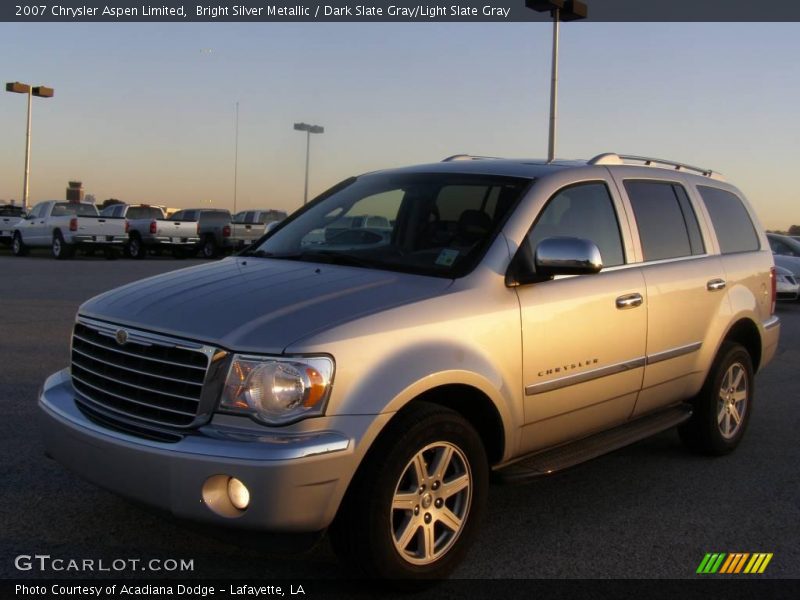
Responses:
[75,192]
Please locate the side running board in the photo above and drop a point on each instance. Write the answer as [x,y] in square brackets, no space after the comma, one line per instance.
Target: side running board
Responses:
[568,455]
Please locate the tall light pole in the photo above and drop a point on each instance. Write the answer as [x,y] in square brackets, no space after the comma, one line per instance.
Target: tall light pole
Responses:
[309,129]
[236,159]
[42,92]
[560,10]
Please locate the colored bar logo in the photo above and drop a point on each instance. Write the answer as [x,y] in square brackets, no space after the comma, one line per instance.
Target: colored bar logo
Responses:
[734,563]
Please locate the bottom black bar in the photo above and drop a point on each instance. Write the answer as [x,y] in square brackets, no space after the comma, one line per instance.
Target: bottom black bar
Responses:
[712,587]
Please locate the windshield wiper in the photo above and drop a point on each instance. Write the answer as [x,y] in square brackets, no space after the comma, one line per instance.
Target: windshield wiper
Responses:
[324,256]
[334,258]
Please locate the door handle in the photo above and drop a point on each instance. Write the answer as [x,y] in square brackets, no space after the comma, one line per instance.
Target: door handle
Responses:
[716,284]
[629,301]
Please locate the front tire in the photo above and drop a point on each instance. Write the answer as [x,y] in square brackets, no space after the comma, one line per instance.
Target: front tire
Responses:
[722,408]
[415,503]
[18,247]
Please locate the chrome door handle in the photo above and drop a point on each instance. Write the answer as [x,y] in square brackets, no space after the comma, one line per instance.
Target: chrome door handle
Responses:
[629,301]
[716,285]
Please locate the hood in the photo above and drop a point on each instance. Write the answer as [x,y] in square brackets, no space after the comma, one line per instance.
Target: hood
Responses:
[257,305]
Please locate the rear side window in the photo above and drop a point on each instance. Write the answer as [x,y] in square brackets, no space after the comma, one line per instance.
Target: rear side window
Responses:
[665,218]
[735,230]
[582,211]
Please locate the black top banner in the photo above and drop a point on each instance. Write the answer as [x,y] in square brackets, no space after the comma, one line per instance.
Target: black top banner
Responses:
[392,11]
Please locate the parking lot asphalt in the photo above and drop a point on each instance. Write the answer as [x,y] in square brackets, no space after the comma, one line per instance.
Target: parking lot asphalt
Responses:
[651,510]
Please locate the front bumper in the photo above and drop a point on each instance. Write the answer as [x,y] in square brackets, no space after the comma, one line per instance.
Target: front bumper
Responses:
[296,479]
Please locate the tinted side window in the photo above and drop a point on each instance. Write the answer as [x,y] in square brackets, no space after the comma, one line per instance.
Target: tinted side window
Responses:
[582,211]
[666,221]
[735,231]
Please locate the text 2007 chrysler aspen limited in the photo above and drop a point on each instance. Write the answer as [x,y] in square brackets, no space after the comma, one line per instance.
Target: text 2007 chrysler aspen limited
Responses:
[515,316]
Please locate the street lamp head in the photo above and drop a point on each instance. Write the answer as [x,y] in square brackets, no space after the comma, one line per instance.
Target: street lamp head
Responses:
[574,10]
[544,5]
[309,128]
[18,88]
[569,10]
[43,92]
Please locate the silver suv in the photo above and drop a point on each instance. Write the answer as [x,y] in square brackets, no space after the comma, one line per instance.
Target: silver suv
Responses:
[519,317]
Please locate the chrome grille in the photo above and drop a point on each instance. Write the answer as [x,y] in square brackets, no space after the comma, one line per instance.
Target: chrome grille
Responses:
[148,378]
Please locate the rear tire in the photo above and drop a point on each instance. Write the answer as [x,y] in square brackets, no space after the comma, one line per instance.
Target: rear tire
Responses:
[209,248]
[415,503]
[722,408]
[60,249]
[135,248]
[18,247]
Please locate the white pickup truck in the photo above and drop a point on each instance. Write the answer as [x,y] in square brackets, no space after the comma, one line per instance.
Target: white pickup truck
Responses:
[148,229]
[10,215]
[64,227]
[249,225]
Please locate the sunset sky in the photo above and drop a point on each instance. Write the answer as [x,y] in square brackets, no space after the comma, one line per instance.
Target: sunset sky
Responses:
[145,113]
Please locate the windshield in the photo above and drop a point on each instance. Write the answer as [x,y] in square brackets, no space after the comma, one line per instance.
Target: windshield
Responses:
[431,224]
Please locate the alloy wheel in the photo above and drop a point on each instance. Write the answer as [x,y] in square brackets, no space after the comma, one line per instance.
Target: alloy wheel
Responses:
[430,503]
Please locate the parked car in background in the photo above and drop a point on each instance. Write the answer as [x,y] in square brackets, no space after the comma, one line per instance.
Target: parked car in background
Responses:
[10,214]
[249,225]
[212,229]
[786,251]
[65,227]
[347,223]
[153,232]
[133,211]
[522,317]
[788,286]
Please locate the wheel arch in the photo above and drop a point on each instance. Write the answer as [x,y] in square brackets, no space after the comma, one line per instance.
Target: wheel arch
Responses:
[745,332]
[474,406]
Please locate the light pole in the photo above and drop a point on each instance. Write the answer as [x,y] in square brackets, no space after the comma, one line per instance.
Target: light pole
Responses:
[560,10]
[42,92]
[236,159]
[309,129]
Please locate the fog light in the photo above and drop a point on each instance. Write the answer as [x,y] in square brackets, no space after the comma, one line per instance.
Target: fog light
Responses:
[238,493]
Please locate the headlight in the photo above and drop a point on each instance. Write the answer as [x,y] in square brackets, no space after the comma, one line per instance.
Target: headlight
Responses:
[277,391]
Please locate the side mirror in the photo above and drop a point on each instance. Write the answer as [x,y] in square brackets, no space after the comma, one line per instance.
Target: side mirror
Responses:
[554,256]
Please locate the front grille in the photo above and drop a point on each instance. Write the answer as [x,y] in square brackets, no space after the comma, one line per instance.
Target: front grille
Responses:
[149,378]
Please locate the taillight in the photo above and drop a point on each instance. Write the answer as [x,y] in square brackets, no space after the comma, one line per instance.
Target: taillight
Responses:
[773,282]
[198,228]
[73,224]
[153,227]
[226,231]
[127,226]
